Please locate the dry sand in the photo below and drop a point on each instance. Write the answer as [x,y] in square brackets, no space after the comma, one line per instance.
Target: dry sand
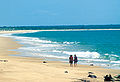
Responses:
[28,69]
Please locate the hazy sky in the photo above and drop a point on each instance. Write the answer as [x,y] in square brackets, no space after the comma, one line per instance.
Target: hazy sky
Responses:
[47,12]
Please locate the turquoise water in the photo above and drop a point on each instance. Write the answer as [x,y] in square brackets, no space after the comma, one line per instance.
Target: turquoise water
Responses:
[101,48]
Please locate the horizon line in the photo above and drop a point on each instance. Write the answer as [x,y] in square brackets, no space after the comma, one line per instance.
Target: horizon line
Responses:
[54,25]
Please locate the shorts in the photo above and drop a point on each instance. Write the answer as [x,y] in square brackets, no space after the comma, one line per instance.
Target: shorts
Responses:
[71,62]
[75,61]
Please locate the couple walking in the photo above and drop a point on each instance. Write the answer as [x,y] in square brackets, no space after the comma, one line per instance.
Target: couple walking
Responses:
[71,60]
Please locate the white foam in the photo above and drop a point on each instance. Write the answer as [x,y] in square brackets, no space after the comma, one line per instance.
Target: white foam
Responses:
[115,62]
[50,55]
[106,54]
[46,45]
[30,39]
[115,55]
[66,42]
[57,51]
[84,54]
[97,60]
[36,41]
[81,54]
[26,39]
[6,35]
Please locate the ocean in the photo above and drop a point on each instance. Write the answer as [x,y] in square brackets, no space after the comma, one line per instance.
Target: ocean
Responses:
[98,47]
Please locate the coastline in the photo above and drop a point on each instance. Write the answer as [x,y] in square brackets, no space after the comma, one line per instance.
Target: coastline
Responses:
[27,31]
[22,69]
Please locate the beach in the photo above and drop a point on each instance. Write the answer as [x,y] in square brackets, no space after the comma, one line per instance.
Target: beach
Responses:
[31,69]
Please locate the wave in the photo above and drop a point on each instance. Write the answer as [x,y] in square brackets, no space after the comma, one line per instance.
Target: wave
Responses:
[66,42]
[81,54]
[84,54]
[47,48]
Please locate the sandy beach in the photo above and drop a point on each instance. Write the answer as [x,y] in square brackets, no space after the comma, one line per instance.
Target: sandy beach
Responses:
[28,69]
[26,31]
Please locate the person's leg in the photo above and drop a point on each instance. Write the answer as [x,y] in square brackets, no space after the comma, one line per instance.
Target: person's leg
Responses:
[71,64]
[75,64]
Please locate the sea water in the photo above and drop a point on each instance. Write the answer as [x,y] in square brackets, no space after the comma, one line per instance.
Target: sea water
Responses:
[98,47]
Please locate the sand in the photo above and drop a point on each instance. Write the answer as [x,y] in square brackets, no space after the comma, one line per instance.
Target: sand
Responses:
[26,31]
[28,69]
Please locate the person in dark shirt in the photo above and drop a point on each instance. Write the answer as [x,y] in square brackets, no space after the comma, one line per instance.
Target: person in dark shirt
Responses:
[75,60]
[71,60]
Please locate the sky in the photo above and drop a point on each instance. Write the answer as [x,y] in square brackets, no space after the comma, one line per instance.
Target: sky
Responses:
[57,12]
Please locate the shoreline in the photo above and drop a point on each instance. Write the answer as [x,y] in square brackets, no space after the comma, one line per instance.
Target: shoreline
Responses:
[27,31]
[31,68]
[106,66]
[52,58]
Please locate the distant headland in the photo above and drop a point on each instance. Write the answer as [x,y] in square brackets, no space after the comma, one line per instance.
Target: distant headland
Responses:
[52,27]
